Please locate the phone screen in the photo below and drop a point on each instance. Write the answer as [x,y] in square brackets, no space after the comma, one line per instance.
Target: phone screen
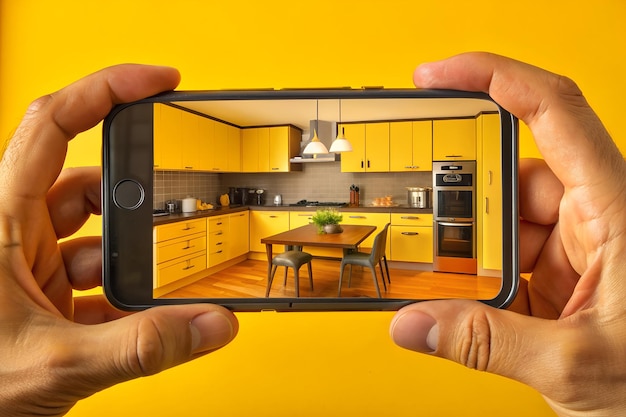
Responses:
[208,195]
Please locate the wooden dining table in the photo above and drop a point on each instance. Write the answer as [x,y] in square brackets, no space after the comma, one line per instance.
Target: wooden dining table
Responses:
[351,237]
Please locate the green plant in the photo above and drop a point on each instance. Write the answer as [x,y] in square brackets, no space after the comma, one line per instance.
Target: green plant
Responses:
[326,216]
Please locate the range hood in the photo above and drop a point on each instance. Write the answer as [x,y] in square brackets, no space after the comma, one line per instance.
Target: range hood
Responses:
[326,132]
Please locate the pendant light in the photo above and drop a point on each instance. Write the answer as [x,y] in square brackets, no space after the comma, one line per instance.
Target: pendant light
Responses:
[340,144]
[315,146]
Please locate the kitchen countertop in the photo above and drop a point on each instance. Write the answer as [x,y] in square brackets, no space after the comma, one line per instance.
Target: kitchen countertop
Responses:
[220,211]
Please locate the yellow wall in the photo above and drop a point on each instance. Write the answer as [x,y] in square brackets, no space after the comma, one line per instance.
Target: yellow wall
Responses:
[306,364]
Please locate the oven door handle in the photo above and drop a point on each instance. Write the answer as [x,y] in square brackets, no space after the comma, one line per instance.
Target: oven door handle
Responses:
[456,224]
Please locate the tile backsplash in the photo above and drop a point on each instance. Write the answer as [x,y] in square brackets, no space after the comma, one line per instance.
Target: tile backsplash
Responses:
[317,181]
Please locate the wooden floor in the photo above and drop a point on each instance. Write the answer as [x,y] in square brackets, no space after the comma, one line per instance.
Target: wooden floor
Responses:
[249,279]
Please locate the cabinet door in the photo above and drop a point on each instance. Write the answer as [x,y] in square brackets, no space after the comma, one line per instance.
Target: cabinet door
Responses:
[354,161]
[234,149]
[401,146]
[423,145]
[264,149]
[157,135]
[264,224]
[239,224]
[169,136]
[377,147]
[454,139]
[217,240]
[190,138]
[492,193]
[250,150]
[279,149]
[412,243]
[206,140]
[220,147]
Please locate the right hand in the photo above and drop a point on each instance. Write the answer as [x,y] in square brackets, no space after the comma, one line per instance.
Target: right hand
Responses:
[572,239]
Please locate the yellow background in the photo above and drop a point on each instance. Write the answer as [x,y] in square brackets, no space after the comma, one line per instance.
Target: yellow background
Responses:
[307,364]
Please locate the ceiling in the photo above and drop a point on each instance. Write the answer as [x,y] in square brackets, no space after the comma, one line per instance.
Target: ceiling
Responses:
[299,112]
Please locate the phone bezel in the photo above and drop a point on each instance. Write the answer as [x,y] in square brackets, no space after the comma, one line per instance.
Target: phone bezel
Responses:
[135,290]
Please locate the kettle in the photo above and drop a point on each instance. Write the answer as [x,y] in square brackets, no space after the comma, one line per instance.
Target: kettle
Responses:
[278,200]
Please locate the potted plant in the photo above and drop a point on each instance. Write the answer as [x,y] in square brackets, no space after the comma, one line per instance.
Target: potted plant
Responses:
[327,220]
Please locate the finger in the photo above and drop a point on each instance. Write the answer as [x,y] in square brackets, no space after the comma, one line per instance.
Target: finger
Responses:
[95,309]
[540,192]
[35,155]
[141,344]
[73,198]
[83,261]
[480,337]
[567,132]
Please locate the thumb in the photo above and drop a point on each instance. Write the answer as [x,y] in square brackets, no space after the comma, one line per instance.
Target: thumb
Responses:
[477,336]
[150,341]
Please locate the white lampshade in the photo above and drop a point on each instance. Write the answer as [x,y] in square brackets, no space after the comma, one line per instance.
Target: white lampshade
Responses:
[341,144]
[315,146]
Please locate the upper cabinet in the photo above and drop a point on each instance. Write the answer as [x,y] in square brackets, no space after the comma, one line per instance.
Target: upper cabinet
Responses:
[454,139]
[268,149]
[187,141]
[411,146]
[370,147]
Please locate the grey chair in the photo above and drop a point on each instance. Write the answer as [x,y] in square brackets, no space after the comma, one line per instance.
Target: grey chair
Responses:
[290,259]
[375,257]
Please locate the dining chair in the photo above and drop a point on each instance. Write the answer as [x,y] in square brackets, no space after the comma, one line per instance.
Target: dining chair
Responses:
[290,259]
[375,257]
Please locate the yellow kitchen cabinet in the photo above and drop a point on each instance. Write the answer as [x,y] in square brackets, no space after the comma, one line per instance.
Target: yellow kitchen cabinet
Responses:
[239,232]
[369,219]
[192,141]
[370,148]
[411,146]
[489,193]
[218,239]
[179,250]
[284,145]
[233,158]
[208,151]
[354,161]
[264,223]
[157,139]
[167,138]
[454,139]
[255,149]
[411,237]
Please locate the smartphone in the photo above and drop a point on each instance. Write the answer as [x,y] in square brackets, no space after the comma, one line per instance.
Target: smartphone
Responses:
[204,190]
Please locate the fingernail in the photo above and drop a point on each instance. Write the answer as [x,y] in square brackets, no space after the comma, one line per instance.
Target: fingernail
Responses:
[210,331]
[416,331]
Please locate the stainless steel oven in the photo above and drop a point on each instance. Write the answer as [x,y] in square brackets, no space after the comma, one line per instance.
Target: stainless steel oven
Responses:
[454,208]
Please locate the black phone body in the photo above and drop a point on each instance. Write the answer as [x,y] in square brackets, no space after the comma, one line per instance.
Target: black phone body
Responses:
[130,242]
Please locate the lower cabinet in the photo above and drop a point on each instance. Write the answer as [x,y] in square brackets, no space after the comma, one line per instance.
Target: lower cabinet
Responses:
[370,219]
[267,223]
[179,250]
[412,237]
[217,240]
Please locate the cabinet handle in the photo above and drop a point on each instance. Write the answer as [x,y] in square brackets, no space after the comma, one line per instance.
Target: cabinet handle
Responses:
[188,228]
[486,205]
[189,266]
[219,233]
[189,246]
[275,169]
[217,169]
[410,233]
[409,218]
[188,167]
[362,164]
[304,215]
[368,163]
[454,156]
[218,244]
[358,217]
[219,251]
[489,177]
[218,223]
[273,217]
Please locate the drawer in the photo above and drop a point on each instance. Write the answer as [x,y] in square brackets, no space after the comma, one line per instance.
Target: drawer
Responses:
[412,244]
[178,229]
[173,271]
[217,223]
[300,218]
[217,255]
[407,219]
[175,248]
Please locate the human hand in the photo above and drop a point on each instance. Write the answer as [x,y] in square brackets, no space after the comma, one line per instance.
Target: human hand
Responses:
[572,238]
[50,357]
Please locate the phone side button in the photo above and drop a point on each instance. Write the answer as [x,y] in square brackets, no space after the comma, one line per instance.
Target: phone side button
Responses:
[128,194]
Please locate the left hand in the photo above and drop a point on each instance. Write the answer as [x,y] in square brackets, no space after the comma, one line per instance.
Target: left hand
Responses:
[49,361]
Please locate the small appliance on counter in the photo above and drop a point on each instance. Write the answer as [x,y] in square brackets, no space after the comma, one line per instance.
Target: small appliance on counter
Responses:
[419,197]
[255,197]
[278,200]
[190,205]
